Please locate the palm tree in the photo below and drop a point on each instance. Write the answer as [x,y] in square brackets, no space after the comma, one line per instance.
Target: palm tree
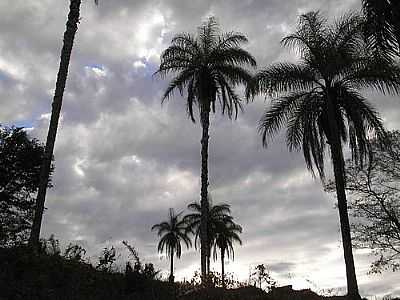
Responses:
[226,234]
[69,35]
[383,25]
[208,66]
[172,233]
[319,101]
[217,216]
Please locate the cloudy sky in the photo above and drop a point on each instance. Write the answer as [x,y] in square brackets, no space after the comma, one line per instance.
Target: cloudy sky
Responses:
[122,159]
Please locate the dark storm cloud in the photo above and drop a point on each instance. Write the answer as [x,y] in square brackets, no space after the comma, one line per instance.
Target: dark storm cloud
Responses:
[122,159]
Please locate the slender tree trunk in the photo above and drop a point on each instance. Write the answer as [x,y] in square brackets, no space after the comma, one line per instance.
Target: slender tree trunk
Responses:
[339,171]
[171,274]
[223,267]
[69,35]
[205,122]
[208,257]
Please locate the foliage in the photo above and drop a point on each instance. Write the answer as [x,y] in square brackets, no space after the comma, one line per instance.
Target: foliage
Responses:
[49,277]
[209,66]
[20,161]
[106,259]
[335,64]
[74,252]
[218,216]
[374,192]
[172,233]
[260,275]
[382,26]
[215,280]
[225,235]
[137,276]
[133,254]
[50,246]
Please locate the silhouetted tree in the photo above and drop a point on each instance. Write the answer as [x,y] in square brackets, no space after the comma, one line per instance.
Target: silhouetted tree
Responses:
[107,259]
[20,161]
[261,274]
[172,233]
[218,215]
[74,252]
[226,234]
[69,36]
[209,66]
[383,25]
[374,191]
[318,99]
[50,246]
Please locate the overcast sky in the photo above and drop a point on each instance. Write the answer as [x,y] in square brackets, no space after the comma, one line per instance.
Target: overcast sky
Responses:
[122,159]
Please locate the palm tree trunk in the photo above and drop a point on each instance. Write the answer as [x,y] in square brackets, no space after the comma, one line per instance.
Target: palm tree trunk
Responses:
[171,274]
[69,35]
[205,122]
[223,267]
[339,171]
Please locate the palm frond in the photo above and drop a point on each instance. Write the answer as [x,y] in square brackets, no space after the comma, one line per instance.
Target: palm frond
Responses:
[234,56]
[172,232]
[382,26]
[377,73]
[279,112]
[284,77]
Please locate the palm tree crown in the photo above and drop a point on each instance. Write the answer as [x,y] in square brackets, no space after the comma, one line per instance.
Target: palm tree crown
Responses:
[334,64]
[209,66]
[172,233]
[226,235]
[218,216]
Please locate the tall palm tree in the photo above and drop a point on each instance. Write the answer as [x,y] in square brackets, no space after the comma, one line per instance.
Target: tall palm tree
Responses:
[226,234]
[69,36]
[383,24]
[319,101]
[172,233]
[217,216]
[209,66]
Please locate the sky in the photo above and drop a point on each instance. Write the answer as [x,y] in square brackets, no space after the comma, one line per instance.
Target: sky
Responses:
[123,159]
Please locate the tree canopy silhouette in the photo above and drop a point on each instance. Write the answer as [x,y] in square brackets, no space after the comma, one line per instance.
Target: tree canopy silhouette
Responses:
[20,161]
[173,232]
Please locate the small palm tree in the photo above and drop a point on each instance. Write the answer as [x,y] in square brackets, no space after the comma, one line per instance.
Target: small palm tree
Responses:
[69,36]
[172,233]
[226,234]
[217,216]
[383,25]
[209,66]
[318,99]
